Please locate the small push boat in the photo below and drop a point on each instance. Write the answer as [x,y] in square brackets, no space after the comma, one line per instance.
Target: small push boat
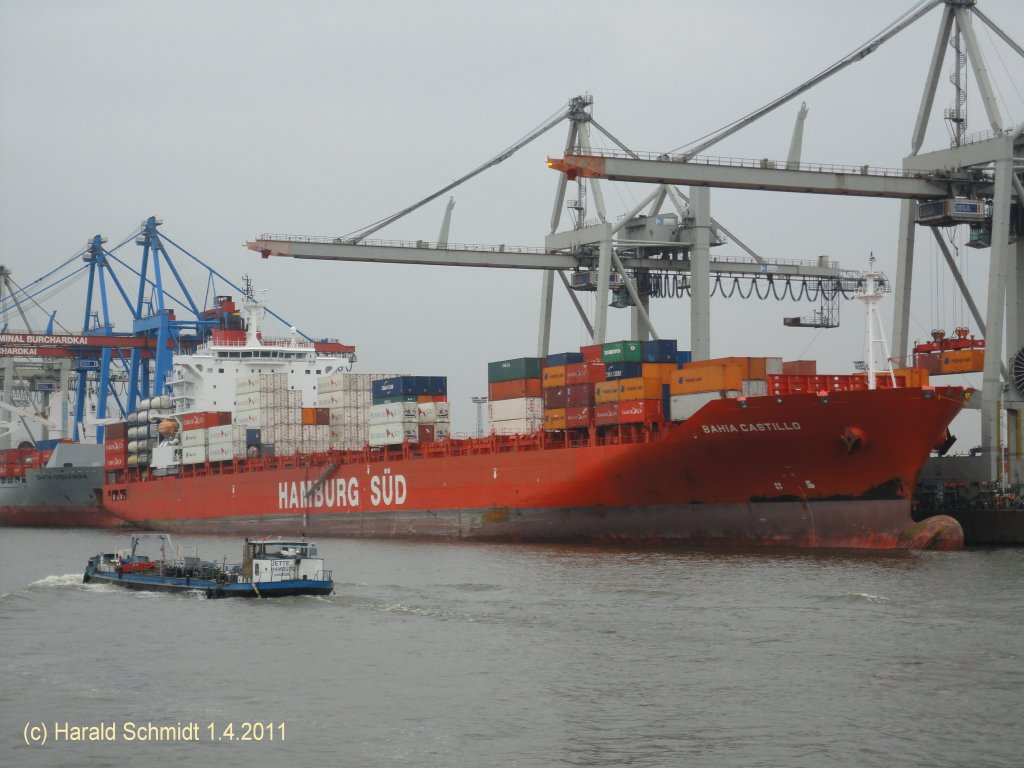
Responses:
[269,568]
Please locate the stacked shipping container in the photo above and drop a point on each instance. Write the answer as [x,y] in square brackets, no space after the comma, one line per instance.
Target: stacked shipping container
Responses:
[515,396]
[264,401]
[409,409]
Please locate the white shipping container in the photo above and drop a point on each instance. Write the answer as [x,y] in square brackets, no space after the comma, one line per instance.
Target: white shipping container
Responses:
[261,382]
[192,438]
[442,431]
[214,434]
[220,452]
[754,388]
[682,407]
[517,408]
[517,426]
[250,419]
[340,416]
[432,413]
[390,413]
[773,365]
[193,454]
[393,434]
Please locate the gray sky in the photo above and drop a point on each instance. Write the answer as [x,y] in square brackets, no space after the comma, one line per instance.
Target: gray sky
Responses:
[229,119]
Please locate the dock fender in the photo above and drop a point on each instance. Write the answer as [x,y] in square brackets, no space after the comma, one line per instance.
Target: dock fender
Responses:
[940,532]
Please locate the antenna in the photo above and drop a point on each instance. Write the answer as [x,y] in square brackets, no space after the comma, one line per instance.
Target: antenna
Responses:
[479,401]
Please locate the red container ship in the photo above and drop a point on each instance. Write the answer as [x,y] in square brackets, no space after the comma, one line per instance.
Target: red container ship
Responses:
[812,469]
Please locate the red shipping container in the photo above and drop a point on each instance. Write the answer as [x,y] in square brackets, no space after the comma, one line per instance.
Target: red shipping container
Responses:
[592,353]
[426,433]
[579,417]
[640,411]
[556,397]
[606,413]
[205,420]
[579,395]
[114,446]
[115,462]
[115,430]
[578,373]
[115,453]
[228,338]
[800,368]
[514,390]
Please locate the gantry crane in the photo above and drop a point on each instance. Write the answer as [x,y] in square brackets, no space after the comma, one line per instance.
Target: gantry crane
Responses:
[974,182]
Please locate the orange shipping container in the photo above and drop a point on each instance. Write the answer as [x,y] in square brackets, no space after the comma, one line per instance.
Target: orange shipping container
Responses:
[606,392]
[640,389]
[962,361]
[553,377]
[554,418]
[592,353]
[754,368]
[514,390]
[659,371]
[913,377]
[708,378]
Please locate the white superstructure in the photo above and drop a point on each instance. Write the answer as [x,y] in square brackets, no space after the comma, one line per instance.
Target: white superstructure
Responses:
[206,379]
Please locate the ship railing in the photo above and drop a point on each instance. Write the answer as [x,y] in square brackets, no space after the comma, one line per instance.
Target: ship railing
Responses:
[474,446]
[763,163]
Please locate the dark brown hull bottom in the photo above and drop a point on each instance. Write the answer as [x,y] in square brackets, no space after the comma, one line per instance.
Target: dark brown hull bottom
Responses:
[868,524]
[58,516]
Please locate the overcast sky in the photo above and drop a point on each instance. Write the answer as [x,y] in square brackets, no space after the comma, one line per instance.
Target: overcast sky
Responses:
[234,118]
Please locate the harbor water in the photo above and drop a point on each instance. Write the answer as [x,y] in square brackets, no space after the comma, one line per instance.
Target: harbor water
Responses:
[437,654]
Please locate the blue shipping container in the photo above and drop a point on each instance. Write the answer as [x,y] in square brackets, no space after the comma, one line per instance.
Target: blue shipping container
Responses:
[252,437]
[400,385]
[659,351]
[683,356]
[563,358]
[623,370]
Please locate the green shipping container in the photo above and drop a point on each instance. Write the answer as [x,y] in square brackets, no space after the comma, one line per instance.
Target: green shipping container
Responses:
[393,399]
[511,370]
[622,352]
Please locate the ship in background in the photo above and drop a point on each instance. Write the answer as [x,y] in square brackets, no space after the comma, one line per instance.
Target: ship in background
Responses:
[61,389]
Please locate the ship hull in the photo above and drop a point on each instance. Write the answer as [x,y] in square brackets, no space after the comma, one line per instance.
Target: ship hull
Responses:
[823,524]
[794,471]
[59,497]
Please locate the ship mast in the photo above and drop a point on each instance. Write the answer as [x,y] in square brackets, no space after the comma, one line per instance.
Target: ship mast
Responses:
[872,289]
